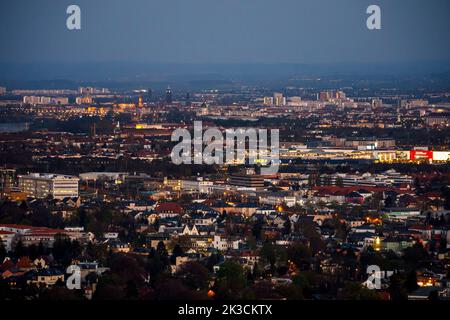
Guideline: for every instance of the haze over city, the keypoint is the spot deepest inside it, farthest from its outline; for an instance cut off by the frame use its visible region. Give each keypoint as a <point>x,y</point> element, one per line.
<point>146,36</point>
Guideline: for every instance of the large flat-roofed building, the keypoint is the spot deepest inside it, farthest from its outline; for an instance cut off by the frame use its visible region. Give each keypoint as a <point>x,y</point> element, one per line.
<point>7,178</point>
<point>197,186</point>
<point>247,181</point>
<point>278,99</point>
<point>42,185</point>
<point>377,143</point>
<point>438,119</point>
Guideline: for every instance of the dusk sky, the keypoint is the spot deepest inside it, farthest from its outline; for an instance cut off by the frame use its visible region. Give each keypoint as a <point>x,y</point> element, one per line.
<point>225,31</point>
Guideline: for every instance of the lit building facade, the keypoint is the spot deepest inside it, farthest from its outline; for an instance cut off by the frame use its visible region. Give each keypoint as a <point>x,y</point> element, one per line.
<point>38,185</point>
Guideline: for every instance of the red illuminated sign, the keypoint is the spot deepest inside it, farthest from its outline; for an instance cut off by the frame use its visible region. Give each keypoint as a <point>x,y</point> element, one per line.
<point>421,154</point>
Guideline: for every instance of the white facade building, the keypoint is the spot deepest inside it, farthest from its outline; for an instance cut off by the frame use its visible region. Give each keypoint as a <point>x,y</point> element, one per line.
<point>42,185</point>
<point>225,243</point>
<point>197,186</point>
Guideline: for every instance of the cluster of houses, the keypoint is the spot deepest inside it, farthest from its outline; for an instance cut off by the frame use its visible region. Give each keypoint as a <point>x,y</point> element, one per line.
<point>43,272</point>
<point>237,223</point>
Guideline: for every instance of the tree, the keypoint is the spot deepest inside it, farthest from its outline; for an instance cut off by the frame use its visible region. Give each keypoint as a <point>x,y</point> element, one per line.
<point>41,249</point>
<point>20,249</point>
<point>127,268</point>
<point>33,251</point>
<point>96,252</point>
<point>41,217</point>
<point>299,254</point>
<point>355,291</point>
<point>161,251</point>
<point>176,252</point>
<point>411,281</point>
<point>442,244</point>
<point>194,275</point>
<point>290,292</point>
<point>131,290</point>
<point>268,254</point>
<point>213,259</point>
<point>415,255</point>
<point>75,249</point>
<point>397,288</point>
<point>287,226</point>
<point>446,195</point>
<point>173,289</point>
<point>230,280</point>
<point>61,249</point>
<point>257,229</point>
<point>59,293</point>
<point>109,287</point>
<point>3,252</point>
<point>251,242</point>
<point>389,202</point>
<point>256,272</point>
<point>263,290</point>
<point>310,232</point>
<point>5,290</point>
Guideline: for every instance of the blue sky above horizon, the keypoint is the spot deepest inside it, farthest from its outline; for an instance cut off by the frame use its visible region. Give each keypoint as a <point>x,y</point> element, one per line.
<point>225,31</point>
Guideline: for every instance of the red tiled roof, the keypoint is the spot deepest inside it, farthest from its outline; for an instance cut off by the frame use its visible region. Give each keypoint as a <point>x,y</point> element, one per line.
<point>15,226</point>
<point>8,264</point>
<point>33,230</point>
<point>420,227</point>
<point>433,194</point>
<point>23,262</point>
<point>169,207</point>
